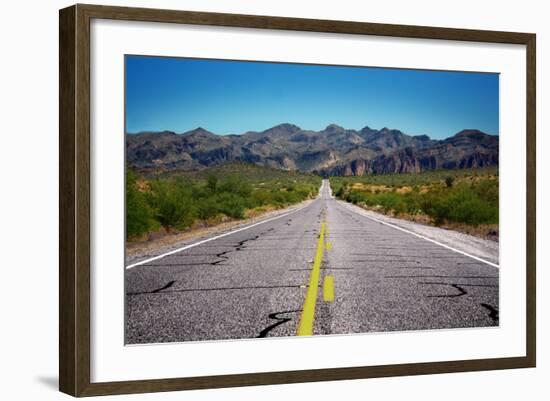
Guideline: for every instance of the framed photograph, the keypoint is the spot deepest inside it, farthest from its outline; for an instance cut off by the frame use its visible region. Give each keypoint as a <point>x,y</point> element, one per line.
<point>250,200</point>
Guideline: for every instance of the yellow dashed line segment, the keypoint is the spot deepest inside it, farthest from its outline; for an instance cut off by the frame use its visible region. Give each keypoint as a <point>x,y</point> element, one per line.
<point>328,289</point>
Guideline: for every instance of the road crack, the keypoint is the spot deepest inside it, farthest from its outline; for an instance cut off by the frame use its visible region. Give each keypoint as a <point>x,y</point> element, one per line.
<point>493,312</point>
<point>461,291</point>
<point>279,321</point>
<point>458,287</point>
<point>166,286</point>
<point>240,245</point>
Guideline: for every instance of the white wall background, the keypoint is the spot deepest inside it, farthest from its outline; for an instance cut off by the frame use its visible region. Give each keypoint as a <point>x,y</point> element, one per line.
<point>29,185</point>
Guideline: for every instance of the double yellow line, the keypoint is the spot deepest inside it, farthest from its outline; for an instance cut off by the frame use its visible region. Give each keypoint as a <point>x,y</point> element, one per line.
<point>305,327</point>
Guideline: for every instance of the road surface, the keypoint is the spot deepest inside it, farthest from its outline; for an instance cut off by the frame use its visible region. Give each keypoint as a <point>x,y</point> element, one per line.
<point>320,269</point>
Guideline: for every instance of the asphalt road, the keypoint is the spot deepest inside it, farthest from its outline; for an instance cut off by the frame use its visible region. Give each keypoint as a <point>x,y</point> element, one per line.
<point>322,269</point>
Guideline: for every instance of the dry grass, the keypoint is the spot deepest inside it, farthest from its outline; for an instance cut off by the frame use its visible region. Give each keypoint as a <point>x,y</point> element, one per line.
<point>374,188</point>
<point>403,190</point>
<point>143,186</point>
<point>485,231</point>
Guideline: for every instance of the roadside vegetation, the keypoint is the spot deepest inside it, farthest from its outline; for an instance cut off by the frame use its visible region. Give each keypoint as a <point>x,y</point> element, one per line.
<point>465,200</point>
<point>180,201</point>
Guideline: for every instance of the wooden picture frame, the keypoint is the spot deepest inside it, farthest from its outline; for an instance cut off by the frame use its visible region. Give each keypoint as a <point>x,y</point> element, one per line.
<point>74,204</point>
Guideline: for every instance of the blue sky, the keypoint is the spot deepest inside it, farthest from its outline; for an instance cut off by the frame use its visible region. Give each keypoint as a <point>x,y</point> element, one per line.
<point>232,97</point>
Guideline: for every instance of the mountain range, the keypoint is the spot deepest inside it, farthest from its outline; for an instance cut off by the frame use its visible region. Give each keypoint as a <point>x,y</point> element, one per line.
<point>331,151</point>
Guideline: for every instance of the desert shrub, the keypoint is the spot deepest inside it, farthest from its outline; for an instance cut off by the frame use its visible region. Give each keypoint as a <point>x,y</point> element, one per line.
<point>207,208</point>
<point>355,197</point>
<point>461,204</point>
<point>235,186</point>
<point>488,191</point>
<point>388,201</point>
<point>413,202</point>
<point>173,203</point>
<point>231,204</point>
<point>261,197</point>
<point>391,201</point>
<point>466,206</point>
<point>466,202</point>
<point>139,216</point>
<point>212,183</point>
<point>278,197</point>
<point>176,202</point>
<point>435,206</point>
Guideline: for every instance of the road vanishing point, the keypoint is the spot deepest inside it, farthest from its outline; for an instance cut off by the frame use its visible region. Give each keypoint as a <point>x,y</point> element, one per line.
<point>320,269</point>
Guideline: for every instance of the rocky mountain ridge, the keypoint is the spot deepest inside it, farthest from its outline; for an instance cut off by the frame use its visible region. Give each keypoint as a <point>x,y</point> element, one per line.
<point>332,151</point>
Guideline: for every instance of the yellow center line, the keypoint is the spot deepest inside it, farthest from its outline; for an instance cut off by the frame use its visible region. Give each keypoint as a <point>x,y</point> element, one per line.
<point>305,327</point>
<point>329,246</point>
<point>328,289</point>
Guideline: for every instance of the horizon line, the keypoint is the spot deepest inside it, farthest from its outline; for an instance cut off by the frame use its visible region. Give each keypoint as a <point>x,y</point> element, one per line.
<point>303,129</point>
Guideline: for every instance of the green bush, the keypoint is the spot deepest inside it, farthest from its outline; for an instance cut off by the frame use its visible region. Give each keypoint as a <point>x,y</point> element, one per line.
<point>235,186</point>
<point>212,183</point>
<point>262,197</point>
<point>487,190</point>
<point>391,201</point>
<point>173,203</point>
<point>207,208</point>
<point>413,202</point>
<point>461,205</point>
<point>231,204</point>
<point>466,206</point>
<point>467,202</point>
<point>139,215</point>
<point>436,206</point>
<point>176,202</point>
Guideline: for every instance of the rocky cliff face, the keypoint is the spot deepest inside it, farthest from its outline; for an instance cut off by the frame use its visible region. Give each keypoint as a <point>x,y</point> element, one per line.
<point>332,151</point>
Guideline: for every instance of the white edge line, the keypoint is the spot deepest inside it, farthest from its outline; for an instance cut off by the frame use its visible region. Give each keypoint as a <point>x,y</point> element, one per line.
<point>213,238</point>
<point>419,235</point>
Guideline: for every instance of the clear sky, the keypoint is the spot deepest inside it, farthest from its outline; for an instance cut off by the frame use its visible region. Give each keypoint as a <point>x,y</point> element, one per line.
<point>232,97</point>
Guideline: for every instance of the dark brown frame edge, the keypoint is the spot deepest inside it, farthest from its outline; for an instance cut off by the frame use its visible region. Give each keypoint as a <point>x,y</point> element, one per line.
<point>74,199</point>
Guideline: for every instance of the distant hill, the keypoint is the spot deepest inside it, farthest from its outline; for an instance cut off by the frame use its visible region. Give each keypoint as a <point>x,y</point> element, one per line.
<point>332,151</point>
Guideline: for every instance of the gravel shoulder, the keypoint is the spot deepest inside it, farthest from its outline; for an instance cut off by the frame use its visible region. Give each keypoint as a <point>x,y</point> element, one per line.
<point>482,248</point>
